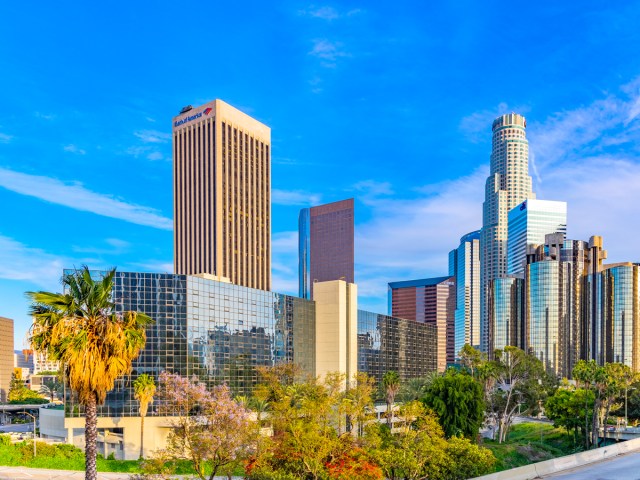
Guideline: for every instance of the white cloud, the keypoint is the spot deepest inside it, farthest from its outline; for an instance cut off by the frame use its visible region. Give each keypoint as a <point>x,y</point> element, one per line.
<point>20,262</point>
<point>74,149</point>
<point>4,138</point>
<point>155,156</point>
<point>79,198</point>
<point>294,197</point>
<point>328,51</point>
<point>328,13</point>
<point>477,126</point>
<point>153,136</point>
<point>45,116</point>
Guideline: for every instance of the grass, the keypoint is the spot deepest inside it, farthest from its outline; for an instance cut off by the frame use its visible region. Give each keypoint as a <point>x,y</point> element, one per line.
<point>529,443</point>
<point>66,457</point>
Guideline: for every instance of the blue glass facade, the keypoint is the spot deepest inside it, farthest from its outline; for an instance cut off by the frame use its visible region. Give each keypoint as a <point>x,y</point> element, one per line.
<point>304,247</point>
<point>506,300</point>
<point>464,265</point>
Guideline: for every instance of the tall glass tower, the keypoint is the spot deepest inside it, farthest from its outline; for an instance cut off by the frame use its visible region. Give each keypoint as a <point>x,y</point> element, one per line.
<point>508,185</point>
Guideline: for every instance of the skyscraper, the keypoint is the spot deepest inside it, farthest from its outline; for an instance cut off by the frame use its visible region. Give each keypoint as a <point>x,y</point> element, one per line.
<point>528,223</point>
<point>325,245</point>
<point>464,265</point>
<point>431,301</point>
<point>508,185</point>
<point>6,357</point>
<point>222,195</point>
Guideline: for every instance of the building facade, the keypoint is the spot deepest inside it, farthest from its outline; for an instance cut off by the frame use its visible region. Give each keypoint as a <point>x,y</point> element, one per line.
<point>508,185</point>
<point>220,333</point>
<point>528,223</point>
<point>431,301</point>
<point>222,195</point>
<point>464,265</point>
<point>6,356</point>
<point>326,245</point>
<point>506,304</point>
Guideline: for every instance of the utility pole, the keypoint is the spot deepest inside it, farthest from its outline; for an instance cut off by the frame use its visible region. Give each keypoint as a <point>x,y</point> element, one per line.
<point>34,432</point>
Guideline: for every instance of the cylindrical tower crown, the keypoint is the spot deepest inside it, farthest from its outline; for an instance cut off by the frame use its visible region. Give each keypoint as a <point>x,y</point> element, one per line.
<point>509,119</point>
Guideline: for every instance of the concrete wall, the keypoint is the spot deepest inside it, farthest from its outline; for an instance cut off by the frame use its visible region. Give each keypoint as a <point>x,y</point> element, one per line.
<point>52,423</point>
<point>336,327</point>
<point>156,431</point>
<point>548,467</point>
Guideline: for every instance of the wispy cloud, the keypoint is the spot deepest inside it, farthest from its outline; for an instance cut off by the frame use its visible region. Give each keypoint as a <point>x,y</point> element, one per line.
<point>74,149</point>
<point>76,196</point>
<point>4,138</point>
<point>327,13</point>
<point>44,116</point>
<point>21,262</point>
<point>114,246</point>
<point>477,125</point>
<point>153,136</point>
<point>294,197</point>
<point>155,156</point>
<point>328,51</point>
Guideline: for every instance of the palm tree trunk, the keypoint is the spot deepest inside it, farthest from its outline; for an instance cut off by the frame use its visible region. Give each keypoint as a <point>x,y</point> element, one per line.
<point>141,436</point>
<point>91,437</point>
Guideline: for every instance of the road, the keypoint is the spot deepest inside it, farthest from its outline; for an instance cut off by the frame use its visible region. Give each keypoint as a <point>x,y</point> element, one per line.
<point>626,467</point>
<point>17,427</point>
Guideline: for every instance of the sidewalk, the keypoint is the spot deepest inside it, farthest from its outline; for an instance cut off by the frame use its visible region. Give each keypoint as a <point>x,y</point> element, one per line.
<point>20,473</point>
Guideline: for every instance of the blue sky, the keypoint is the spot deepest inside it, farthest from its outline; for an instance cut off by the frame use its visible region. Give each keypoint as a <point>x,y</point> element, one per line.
<point>388,102</point>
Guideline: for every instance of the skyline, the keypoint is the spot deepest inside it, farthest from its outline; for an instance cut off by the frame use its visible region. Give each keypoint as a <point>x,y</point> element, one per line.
<point>85,131</point>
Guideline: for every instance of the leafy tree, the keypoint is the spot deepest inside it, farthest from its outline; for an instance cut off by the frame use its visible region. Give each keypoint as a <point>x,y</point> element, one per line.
<point>357,401</point>
<point>518,380</point>
<point>595,378</point>
<point>466,460</point>
<point>458,401</point>
<point>415,388</point>
<point>210,429</point>
<point>17,389</point>
<point>51,388</point>
<point>471,358</point>
<point>568,407</point>
<point>144,388</point>
<point>94,344</point>
<point>391,386</point>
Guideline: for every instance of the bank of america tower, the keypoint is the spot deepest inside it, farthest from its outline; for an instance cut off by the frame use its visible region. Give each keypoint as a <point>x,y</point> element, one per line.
<point>508,185</point>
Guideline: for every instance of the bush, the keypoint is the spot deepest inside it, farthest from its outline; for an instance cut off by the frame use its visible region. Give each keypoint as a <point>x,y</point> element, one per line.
<point>5,440</point>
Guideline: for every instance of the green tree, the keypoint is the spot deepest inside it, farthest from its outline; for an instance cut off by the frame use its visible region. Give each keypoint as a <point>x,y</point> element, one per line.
<point>568,407</point>
<point>471,358</point>
<point>391,386</point>
<point>144,388</point>
<point>518,379</point>
<point>458,401</point>
<point>17,389</point>
<point>593,377</point>
<point>94,344</point>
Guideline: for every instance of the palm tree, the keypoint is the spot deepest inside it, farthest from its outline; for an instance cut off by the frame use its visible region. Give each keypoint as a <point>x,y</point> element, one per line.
<point>50,388</point>
<point>144,388</point>
<point>94,344</point>
<point>391,385</point>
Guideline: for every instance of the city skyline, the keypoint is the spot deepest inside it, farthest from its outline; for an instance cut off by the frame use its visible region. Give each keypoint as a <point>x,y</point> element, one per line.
<point>80,149</point>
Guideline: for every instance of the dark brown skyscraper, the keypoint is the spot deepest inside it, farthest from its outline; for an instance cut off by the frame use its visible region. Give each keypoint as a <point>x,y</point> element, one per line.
<point>326,245</point>
<point>222,195</point>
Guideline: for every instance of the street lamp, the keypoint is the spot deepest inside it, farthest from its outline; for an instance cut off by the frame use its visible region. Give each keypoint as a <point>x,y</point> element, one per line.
<point>34,432</point>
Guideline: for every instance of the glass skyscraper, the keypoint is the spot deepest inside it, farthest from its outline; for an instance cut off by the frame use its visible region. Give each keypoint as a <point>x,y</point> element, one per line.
<point>528,223</point>
<point>464,265</point>
<point>506,303</point>
<point>508,185</point>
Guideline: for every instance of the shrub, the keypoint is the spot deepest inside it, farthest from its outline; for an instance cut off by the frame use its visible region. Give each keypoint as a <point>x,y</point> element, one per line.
<point>5,440</point>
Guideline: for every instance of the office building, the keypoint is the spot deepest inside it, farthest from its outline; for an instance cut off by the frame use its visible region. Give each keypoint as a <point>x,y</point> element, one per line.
<point>528,223</point>
<point>220,333</point>
<point>6,356</point>
<point>431,301</point>
<point>505,322</point>
<point>222,195</point>
<point>326,245</point>
<point>508,185</point>
<point>464,265</point>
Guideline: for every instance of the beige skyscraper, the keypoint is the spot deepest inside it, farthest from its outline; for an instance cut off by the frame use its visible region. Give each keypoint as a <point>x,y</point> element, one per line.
<point>6,356</point>
<point>508,185</point>
<point>222,195</point>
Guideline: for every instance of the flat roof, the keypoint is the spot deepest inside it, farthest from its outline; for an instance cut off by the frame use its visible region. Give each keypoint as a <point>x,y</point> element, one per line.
<point>423,282</point>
